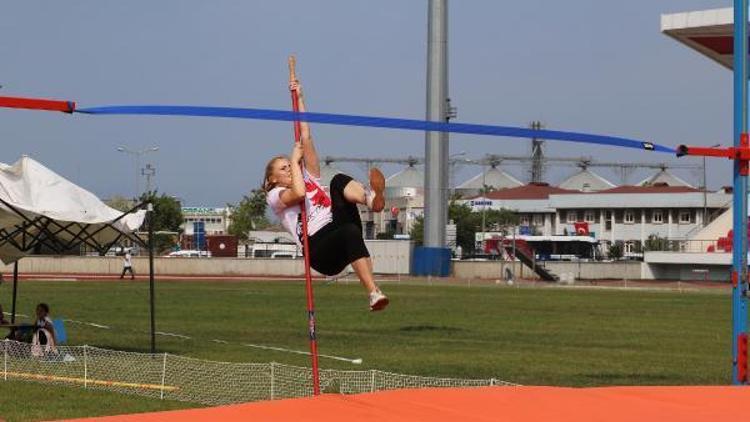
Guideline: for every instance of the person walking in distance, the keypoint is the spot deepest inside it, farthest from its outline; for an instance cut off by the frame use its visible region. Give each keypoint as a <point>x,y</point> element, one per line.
<point>127,266</point>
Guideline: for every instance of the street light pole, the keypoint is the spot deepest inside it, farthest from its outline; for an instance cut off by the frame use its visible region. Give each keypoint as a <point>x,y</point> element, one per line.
<point>137,155</point>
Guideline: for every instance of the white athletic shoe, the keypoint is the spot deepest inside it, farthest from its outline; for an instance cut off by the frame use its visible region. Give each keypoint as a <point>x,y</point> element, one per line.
<point>378,301</point>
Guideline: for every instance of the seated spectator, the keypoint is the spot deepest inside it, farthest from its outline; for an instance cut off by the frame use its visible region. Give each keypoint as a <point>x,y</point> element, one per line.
<point>44,330</point>
<point>43,340</point>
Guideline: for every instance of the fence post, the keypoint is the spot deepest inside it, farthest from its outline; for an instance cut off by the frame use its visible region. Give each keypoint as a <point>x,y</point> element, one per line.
<point>85,367</point>
<point>5,359</point>
<point>163,375</point>
<point>273,393</point>
<point>372,380</point>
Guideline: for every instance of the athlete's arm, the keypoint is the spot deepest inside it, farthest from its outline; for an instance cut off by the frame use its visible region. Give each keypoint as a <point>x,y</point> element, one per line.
<point>312,163</point>
<point>296,192</point>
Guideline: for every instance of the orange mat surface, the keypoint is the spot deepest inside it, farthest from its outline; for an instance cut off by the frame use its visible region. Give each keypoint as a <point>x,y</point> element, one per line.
<point>512,404</point>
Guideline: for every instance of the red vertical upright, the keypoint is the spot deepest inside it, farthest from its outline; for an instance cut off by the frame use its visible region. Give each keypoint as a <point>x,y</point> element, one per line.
<point>306,250</point>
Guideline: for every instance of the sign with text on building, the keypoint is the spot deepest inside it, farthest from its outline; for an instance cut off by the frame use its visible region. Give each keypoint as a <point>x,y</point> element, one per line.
<point>481,203</point>
<point>202,210</point>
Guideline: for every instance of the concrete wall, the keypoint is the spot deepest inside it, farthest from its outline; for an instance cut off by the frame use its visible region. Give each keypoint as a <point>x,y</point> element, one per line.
<point>171,266</point>
<point>581,271</point>
<point>490,270</point>
<point>389,257</point>
<point>686,271</point>
<point>630,270</point>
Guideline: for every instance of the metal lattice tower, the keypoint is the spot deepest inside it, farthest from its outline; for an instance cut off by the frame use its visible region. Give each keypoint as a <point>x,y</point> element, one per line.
<point>537,155</point>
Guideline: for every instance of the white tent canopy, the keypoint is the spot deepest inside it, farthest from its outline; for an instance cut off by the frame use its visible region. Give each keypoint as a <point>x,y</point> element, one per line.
<point>38,206</point>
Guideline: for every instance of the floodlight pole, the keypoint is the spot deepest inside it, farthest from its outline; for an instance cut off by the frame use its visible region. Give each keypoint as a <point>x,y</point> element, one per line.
<point>434,253</point>
<point>150,216</point>
<point>137,154</point>
<point>739,209</point>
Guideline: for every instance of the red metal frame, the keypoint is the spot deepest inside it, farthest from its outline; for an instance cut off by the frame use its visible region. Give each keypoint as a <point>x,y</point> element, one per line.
<point>742,357</point>
<point>741,153</point>
<point>306,252</point>
<point>38,104</point>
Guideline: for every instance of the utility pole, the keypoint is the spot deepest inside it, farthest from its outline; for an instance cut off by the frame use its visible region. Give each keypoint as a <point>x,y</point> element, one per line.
<point>537,155</point>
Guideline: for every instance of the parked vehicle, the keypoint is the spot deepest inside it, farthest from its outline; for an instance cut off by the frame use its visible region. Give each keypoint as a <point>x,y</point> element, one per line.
<point>189,254</point>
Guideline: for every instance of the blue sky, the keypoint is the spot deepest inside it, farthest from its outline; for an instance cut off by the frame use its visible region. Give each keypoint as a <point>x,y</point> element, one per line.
<point>581,65</point>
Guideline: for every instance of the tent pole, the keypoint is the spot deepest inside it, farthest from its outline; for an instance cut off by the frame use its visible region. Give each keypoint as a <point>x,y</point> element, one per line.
<point>151,273</point>
<point>15,293</point>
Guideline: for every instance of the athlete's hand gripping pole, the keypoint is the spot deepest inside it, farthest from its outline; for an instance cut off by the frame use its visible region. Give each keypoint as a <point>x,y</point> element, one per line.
<point>306,246</point>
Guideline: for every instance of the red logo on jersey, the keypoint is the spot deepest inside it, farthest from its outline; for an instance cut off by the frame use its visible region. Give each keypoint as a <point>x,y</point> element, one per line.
<point>319,197</point>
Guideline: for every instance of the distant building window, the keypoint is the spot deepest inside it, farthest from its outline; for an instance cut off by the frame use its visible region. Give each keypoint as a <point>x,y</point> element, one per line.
<point>629,217</point>
<point>524,220</point>
<point>657,217</point>
<point>685,217</point>
<point>589,217</point>
<point>538,220</point>
<point>572,216</point>
<point>629,247</point>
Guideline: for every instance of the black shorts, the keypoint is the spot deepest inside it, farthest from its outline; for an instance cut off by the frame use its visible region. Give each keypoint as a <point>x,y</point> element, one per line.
<point>340,242</point>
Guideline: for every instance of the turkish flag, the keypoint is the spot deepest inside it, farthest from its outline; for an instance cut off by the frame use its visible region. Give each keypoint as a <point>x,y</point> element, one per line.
<point>582,228</point>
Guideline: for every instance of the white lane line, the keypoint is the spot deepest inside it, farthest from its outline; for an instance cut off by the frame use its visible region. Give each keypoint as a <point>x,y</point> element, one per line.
<point>356,361</point>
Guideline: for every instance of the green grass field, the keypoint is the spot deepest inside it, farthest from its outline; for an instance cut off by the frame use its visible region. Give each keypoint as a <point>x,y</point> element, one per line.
<point>569,337</point>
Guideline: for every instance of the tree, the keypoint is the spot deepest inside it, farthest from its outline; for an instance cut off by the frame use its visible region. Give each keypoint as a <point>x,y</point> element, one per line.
<point>167,216</point>
<point>417,231</point>
<point>249,214</point>
<point>120,203</point>
<point>467,223</point>
<point>657,243</point>
<point>615,251</point>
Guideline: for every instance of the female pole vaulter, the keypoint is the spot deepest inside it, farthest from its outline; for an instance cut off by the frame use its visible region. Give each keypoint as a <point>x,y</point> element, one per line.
<point>334,227</point>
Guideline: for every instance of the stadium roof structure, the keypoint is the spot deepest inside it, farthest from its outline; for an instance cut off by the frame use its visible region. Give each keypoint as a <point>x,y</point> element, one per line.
<point>710,32</point>
<point>586,181</point>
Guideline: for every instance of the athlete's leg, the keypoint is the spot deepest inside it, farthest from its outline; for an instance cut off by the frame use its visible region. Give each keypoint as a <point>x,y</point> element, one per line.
<point>373,198</point>
<point>363,269</point>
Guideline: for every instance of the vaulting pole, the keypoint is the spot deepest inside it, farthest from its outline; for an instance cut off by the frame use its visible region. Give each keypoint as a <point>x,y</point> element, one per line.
<point>739,247</point>
<point>306,248</point>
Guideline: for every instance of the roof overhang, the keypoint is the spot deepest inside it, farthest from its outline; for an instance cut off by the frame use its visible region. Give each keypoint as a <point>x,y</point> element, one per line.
<point>710,32</point>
